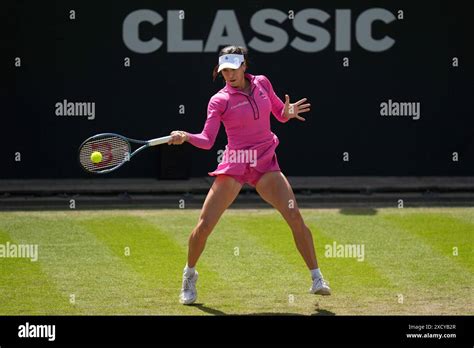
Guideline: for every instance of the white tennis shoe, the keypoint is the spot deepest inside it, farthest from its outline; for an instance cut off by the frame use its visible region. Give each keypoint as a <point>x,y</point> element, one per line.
<point>188,291</point>
<point>320,287</point>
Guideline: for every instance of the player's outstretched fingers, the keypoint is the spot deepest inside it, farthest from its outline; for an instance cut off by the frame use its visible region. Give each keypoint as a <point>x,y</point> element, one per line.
<point>301,101</point>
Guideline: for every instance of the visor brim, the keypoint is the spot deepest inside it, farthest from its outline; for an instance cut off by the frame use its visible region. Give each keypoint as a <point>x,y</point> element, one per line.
<point>227,65</point>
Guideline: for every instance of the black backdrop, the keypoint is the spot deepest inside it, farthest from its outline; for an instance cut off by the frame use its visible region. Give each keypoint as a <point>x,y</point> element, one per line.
<point>83,60</point>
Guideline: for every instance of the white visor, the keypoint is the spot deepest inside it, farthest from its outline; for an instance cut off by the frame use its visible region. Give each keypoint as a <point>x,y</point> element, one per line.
<point>233,61</point>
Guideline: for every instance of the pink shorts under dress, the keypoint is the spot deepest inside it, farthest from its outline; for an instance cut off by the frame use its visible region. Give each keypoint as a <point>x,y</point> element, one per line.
<point>251,176</point>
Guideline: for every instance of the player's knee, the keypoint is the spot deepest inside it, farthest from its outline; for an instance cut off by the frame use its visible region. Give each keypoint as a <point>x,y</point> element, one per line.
<point>294,217</point>
<point>204,227</point>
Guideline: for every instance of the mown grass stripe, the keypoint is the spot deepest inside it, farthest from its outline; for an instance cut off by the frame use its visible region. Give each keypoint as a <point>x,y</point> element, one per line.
<point>442,232</point>
<point>153,255</point>
<point>24,288</point>
<point>80,265</point>
<point>410,264</point>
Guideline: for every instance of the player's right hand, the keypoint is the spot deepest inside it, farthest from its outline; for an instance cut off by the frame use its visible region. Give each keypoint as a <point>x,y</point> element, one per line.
<point>177,138</point>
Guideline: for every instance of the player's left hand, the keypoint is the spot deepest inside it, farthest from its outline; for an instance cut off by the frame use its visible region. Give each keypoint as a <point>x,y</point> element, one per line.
<point>293,110</point>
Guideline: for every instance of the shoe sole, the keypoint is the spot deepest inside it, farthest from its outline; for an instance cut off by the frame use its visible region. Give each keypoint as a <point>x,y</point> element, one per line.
<point>322,292</point>
<point>188,302</point>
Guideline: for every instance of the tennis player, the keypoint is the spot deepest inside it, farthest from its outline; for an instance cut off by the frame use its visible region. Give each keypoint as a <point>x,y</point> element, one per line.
<point>244,107</point>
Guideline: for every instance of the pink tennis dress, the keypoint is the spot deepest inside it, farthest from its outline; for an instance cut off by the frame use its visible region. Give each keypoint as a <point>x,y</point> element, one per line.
<point>250,149</point>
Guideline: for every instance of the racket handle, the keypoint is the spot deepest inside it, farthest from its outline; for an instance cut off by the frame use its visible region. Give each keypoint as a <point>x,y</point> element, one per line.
<point>159,141</point>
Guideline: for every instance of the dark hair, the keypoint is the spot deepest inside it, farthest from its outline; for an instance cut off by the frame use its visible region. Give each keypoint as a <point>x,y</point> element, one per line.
<point>231,50</point>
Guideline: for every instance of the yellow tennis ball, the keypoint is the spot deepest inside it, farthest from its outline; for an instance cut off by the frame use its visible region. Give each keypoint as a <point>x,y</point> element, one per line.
<point>96,157</point>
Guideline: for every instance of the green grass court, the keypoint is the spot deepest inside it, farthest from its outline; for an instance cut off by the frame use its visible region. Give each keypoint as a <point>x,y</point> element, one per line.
<point>83,266</point>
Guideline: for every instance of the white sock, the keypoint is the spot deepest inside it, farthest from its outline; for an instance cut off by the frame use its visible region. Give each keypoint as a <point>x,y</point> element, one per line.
<point>189,271</point>
<point>316,273</point>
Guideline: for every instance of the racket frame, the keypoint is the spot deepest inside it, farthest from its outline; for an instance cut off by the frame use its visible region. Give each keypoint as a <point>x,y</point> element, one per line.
<point>145,144</point>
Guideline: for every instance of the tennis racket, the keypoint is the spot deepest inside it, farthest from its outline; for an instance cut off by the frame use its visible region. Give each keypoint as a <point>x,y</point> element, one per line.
<point>114,151</point>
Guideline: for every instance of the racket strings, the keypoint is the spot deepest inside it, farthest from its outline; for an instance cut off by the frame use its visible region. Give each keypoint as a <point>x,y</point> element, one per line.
<point>114,150</point>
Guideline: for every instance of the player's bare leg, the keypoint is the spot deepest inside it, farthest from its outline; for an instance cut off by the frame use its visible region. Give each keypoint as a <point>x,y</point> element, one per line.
<point>275,189</point>
<point>221,195</point>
